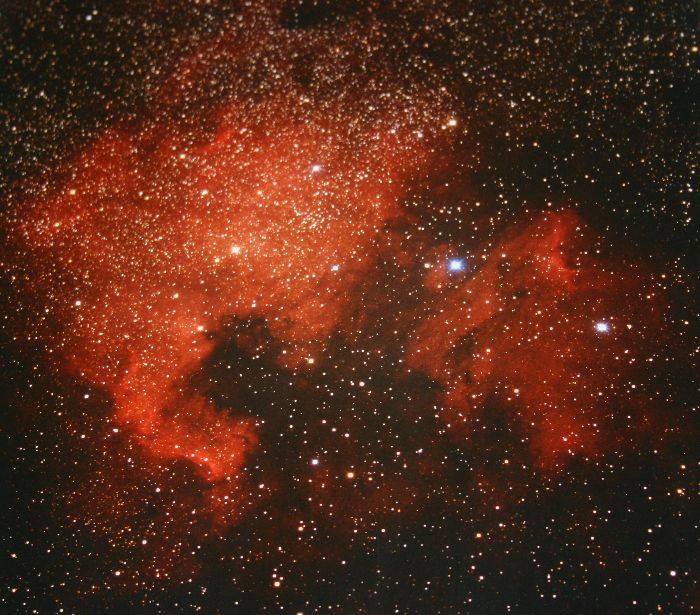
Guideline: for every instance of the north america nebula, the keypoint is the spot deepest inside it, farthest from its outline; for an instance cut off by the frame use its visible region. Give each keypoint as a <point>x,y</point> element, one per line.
<point>319,307</point>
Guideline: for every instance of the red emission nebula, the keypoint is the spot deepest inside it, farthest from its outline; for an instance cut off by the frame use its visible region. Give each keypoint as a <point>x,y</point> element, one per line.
<point>160,241</point>
<point>517,330</point>
<point>279,211</point>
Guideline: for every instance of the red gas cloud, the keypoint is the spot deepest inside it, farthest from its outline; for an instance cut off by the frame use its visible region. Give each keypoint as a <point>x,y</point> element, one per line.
<point>275,204</point>
<point>545,330</point>
<point>153,240</point>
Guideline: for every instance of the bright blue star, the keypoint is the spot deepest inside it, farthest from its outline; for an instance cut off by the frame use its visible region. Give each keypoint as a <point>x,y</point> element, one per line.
<point>455,264</point>
<point>602,327</point>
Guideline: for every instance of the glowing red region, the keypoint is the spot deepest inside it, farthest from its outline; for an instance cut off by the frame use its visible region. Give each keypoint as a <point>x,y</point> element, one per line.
<point>153,240</point>
<point>521,330</point>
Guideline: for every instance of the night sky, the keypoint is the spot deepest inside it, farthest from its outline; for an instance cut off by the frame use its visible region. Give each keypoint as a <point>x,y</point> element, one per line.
<point>349,307</point>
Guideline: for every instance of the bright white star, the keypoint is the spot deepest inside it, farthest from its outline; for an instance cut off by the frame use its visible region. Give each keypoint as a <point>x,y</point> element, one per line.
<point>455,264</point>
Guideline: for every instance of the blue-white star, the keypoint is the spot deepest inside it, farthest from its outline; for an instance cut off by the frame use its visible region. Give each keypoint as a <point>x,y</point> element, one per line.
<point>455,264</point>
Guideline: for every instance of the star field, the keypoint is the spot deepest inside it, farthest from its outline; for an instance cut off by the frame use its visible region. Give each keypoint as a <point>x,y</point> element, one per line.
<point>316,307</point>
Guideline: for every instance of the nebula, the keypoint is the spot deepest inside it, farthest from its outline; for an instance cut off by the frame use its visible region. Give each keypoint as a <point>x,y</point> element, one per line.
<point>153,242</point>
<point>293,317</point>
<point>161,242</point>
<point>549,331</point>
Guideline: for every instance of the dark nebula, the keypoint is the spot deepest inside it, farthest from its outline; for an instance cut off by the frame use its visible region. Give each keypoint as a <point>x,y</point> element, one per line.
<point>342,307</point>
